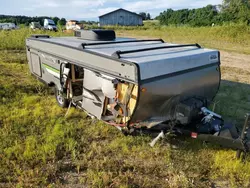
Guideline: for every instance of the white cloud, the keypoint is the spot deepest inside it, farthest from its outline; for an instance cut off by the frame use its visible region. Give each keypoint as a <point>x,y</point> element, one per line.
<point>87,3</point>
<point>156,5</point>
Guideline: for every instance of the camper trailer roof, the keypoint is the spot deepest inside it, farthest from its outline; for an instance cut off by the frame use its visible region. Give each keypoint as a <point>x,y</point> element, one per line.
<point>153,62</point>
<point>109,49</point>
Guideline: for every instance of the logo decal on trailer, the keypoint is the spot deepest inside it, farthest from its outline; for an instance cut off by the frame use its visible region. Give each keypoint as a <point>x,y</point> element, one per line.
<point>213,58</point>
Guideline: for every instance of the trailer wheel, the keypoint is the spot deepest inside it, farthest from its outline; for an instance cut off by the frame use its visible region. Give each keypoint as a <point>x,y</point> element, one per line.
<point>61,100</point>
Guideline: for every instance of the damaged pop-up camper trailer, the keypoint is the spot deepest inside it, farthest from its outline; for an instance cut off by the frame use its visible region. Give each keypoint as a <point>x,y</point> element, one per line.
<point>134,84</point>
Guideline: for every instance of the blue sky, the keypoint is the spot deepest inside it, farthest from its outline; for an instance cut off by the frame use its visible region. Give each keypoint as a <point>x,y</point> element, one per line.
<point>91,9</point>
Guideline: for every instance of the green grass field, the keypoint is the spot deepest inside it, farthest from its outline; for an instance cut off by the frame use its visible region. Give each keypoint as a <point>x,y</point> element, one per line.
<point>40,147</point>
<point>235,38</point>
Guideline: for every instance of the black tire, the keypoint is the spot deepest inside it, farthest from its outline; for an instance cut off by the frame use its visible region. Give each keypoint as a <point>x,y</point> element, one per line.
<point>61,100</point>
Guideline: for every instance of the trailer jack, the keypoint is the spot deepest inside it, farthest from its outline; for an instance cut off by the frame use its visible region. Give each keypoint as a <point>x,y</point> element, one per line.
<point>243,138</point>
<point>228,137</point>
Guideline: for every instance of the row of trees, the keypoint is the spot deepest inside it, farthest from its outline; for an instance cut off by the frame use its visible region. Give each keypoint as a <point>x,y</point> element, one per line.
<point>27,20</point>
<point>145,16</point>
<point>230,11</point>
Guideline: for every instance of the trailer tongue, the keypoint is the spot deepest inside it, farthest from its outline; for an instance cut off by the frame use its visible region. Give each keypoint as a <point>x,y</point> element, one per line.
<point>135,84</point>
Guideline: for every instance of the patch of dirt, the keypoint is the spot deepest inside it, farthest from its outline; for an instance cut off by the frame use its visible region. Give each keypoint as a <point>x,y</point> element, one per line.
<point>231,59</point>
<point>235,67</point>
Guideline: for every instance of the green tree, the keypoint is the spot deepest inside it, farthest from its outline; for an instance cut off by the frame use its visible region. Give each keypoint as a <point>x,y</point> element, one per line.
<point>236,10</point>
<point>56,19</point>
<point>27,20</point>
<point>143,15</point>
<point>148,17</point>
<point>231,11</point>
<point>62,21</point>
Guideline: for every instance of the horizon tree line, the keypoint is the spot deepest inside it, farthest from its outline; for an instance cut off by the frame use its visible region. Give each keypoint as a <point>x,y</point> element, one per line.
<point>235,11</point>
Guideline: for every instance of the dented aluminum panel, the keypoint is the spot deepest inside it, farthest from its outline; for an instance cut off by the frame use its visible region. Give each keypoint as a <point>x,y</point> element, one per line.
<point>78,56</point>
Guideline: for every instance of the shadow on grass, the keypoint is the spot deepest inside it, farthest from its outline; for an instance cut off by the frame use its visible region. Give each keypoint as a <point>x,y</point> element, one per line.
<point>233,101</point>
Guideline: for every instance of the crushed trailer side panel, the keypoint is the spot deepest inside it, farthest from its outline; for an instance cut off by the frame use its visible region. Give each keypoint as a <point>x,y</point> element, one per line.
<point>159,97</point>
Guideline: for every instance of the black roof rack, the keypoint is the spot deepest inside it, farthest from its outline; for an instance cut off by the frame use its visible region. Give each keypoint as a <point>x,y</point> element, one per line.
<point>117,54</point>
<point>118,42</point>
<point>40,36</point>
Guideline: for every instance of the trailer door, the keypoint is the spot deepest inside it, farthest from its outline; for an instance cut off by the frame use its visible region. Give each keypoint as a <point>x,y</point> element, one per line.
<point>35,64</point>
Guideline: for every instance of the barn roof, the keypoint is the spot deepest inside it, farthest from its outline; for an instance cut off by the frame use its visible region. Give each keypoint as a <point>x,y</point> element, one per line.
<point>119,10</point>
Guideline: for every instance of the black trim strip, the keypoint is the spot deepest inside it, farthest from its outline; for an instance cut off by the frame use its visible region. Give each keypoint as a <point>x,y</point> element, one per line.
<point>40,36</point>
<point>219,69</point>
<point>177,73</point>
<point>121,42</point>
<point>117,54</point>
